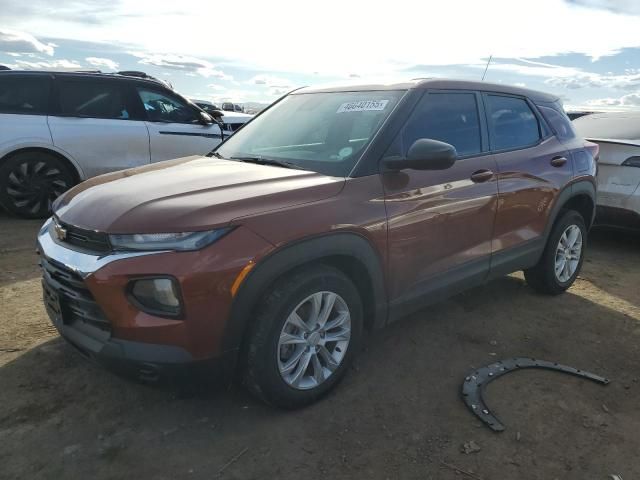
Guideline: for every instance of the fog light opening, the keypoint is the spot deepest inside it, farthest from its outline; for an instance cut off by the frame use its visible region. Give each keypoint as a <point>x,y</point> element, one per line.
<point>156,296</point>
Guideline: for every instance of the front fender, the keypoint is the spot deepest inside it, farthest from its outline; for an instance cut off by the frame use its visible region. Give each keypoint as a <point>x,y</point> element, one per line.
<point>294,255</point>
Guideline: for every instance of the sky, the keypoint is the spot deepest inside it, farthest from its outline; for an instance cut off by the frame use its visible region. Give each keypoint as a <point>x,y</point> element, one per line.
<point>585,51</point>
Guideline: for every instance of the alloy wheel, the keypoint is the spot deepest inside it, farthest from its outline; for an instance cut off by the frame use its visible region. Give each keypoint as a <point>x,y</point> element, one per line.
<point>314,340</point>
<point>568,253</point>
<point>33,185</point>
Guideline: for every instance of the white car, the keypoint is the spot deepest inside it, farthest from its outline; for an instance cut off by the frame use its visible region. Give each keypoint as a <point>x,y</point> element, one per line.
<point>232,121</point>
<point>57,129</point>
<point>618,135</point>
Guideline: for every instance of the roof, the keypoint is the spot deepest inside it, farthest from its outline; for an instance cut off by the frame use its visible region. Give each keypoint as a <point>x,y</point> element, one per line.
<point>437,83</point>
<point>88,73</point>
<point>610,126</point>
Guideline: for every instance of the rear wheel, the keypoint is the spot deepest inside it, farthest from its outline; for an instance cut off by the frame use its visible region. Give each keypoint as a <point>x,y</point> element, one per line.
<point>306,332</point>
<point>31,181</point>
<point>562,258</point>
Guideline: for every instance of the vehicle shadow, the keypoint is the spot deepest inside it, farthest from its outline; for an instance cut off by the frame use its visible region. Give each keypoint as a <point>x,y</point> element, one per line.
<point>612,263</point>
<point>397,414</point>
<point>18,261</point>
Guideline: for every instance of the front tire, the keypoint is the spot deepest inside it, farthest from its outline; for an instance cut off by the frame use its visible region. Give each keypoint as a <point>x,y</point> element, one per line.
<point>307,329</point>
<point>563,256</point>
<point>30,181</point>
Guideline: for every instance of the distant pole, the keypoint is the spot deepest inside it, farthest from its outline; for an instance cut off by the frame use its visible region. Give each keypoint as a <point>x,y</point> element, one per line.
<point>487,67</point>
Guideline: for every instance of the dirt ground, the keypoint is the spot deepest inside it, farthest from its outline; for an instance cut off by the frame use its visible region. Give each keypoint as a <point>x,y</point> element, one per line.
<point>398,414</point>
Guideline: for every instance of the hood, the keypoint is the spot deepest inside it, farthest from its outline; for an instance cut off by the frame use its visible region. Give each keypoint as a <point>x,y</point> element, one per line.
<point>236,117</point>
<point>188,194</point>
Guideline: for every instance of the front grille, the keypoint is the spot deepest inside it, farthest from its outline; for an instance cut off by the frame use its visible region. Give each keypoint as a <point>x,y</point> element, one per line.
<point>67,297</point>
<point>86,239</point>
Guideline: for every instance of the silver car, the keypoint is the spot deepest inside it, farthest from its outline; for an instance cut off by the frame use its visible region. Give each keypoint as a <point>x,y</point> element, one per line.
<point>57,129</point>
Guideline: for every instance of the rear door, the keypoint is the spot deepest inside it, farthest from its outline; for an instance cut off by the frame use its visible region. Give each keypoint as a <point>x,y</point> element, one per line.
<point>440,222</point>
<point>95,123</point>
<point>533,166</point>
<point>175,127</point>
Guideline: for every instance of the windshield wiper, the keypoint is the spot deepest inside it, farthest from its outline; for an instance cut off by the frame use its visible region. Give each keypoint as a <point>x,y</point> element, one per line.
<point>267,161</point>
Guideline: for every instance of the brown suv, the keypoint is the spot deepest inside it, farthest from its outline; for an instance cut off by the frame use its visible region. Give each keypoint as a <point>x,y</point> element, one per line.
<point>333,211</point>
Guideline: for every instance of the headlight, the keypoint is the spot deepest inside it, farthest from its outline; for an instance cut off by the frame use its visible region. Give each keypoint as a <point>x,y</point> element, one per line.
<point>167,241</point>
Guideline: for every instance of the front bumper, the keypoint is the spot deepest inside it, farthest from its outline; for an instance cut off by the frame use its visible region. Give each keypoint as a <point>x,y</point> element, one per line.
<point>85,297</point>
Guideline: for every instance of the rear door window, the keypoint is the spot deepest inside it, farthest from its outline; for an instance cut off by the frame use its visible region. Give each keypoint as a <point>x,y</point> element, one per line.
<point>512,123</point>
<point>24,94</point>
<point>94,99</point>
<point>449,117</point>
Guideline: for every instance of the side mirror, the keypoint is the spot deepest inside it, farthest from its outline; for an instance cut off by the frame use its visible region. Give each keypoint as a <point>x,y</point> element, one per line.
<point>206,119</point>
<point>216,114</point>
<point>425,154</point>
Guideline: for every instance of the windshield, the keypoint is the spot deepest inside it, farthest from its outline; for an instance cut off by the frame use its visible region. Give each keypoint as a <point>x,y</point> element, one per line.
<point>322,132</point>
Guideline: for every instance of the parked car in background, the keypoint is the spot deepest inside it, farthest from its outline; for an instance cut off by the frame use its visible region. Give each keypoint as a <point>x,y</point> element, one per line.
<point>232,107</point>
<point>59,128</point>
<point>207,106</point>
<point>231,121</point>
<point>334,211</point>
<point>618,135</point>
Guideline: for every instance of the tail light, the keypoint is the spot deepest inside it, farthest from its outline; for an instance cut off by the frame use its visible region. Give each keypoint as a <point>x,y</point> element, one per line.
<point>594,150</point>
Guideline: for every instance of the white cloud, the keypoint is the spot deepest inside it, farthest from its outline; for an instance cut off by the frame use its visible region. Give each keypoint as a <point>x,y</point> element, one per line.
<point>216,87</point>
<point>189,65</point>
<point>621,6</point>
<point>102,62</point>
<point>567,77</point>
<point>529,68</point>
<point>629,100</point>
<point>14,41</point>
<point>504,28</point>
<point>46,65</point>
<point>594,80</point>
<point>270,81</point>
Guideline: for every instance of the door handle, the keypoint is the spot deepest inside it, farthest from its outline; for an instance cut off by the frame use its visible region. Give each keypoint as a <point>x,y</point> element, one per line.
<point>558,161</point>
<point>481,176</point>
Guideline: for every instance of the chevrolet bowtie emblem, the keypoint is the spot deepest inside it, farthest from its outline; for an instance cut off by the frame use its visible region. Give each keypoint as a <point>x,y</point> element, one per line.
<point>60,231</point>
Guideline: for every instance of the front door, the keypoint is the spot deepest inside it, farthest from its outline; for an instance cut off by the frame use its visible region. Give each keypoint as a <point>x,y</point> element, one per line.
<point>175,127</point>
<point>440,222</point>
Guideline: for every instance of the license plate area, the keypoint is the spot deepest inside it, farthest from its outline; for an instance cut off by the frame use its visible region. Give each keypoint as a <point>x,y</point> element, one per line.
<point>53,303</point>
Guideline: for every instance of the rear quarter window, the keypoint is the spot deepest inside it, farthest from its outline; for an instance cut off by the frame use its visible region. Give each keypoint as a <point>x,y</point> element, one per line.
<point>27,95</point>
<point>559,121</point>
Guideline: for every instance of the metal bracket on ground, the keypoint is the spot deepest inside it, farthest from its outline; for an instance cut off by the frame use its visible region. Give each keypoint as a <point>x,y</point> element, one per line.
<point>475,383</point>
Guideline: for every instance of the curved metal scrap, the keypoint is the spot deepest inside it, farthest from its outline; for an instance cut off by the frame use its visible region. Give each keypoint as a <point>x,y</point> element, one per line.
<point>474,384</point>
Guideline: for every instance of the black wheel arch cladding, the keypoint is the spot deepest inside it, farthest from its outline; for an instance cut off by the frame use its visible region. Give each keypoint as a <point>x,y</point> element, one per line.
<point>322,249</point>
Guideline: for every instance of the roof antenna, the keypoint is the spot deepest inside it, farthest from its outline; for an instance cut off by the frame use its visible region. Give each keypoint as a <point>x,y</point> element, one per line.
<point>487,67</point>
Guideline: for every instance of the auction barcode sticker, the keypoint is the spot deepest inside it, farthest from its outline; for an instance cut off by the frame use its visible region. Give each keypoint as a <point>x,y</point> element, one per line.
<point>363,106</point>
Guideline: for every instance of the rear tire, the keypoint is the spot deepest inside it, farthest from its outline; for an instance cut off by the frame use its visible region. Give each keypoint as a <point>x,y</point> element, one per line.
<point>289,364</point>
<point>30,181</point>
<point>563,256</point>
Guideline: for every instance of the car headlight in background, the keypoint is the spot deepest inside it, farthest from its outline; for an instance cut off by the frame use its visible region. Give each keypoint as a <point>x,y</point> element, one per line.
<point>182,241</point>
<point>156,296</point>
